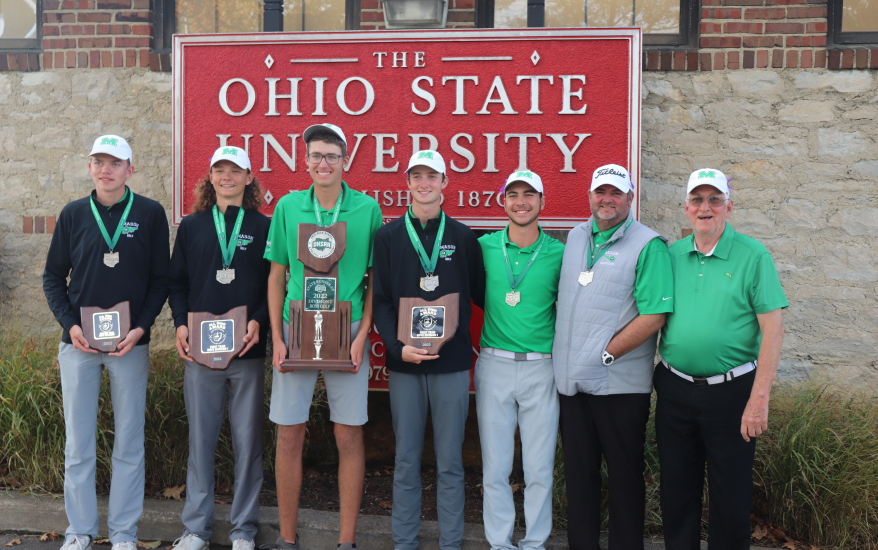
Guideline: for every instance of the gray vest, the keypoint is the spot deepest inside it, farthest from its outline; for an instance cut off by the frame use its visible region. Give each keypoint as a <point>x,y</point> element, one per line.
<point>589,316</point>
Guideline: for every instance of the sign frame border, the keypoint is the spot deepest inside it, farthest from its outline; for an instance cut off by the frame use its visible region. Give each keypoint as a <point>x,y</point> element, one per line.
<point>635,76</point>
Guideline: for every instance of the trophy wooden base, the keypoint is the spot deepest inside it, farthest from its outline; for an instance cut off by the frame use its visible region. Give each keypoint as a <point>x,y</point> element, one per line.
<point>214,340</point>
<point>103,329</point>
<point>333,332</point>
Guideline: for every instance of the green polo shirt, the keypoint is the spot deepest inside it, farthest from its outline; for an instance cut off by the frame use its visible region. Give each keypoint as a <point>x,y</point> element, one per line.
<point>654,277</point>
<point>363,217</point>
<point>529,326</point>
<point>714,327</point>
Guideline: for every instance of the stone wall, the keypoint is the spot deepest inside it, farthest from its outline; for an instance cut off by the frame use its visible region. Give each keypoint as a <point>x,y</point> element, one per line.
<point>802,147</point>
<point>801,144</point>
<point>48,122</point>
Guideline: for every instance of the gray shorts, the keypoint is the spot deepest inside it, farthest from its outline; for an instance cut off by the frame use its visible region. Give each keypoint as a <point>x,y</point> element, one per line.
<point>292,392</point>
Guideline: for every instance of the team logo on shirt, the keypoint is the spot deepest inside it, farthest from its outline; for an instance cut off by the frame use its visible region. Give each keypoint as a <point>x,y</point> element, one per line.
<point>321,244</point>
<point>446,250</point>
<point>243,241</point>
<point>129,228</point>
<point>609,258</point>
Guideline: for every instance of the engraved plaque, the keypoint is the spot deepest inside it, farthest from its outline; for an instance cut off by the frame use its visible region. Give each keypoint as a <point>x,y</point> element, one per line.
<point>103,329</point>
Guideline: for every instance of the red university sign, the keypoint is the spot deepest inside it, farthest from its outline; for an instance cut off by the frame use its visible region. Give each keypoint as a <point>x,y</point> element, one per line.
<point>560,102</point>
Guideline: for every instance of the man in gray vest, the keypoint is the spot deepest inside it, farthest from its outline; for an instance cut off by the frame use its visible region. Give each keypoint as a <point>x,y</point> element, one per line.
<point>615,291</point>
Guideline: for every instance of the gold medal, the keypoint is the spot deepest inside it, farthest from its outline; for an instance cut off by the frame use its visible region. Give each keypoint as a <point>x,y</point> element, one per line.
<point>111,259</point>
<point>586,277</point>
<point>430,283</point>
<point>513,298</point>
<point>225,276</point>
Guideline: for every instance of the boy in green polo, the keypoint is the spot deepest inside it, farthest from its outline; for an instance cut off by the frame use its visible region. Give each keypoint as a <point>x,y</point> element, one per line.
<point>515,382</point>
<point>327,201</point>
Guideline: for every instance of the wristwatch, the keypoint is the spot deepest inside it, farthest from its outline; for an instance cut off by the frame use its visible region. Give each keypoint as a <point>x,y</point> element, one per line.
<point>607,359</point>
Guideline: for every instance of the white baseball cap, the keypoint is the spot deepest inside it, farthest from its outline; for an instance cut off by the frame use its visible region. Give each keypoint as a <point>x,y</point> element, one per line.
<point>528,177</point>
<point>309,131</point>
<point>708,176</point>
<point>614,175</point>
<point>112,145</point>
<point>231,154</point>
<point>428,158</point>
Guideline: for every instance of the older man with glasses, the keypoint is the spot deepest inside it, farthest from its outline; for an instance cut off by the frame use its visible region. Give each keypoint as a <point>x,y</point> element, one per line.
<point>712,398</point>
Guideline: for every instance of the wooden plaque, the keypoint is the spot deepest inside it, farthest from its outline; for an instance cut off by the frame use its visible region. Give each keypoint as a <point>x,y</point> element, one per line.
<point>320,248</point>
<point>428,325</point>
<point>214,340</point>
<point>103,329</point>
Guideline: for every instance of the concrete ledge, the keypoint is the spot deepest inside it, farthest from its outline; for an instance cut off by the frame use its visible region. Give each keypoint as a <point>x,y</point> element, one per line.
<point>318,530</point>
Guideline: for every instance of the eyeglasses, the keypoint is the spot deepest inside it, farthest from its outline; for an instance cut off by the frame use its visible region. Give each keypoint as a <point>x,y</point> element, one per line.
<point>315,158</point>
<point>714,202</point>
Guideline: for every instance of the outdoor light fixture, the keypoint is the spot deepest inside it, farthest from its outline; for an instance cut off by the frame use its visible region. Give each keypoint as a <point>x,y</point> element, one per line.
<point>415,14</point>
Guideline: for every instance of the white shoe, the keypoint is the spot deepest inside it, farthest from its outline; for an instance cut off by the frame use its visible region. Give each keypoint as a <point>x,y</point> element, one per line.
<point>189,542</point>
<point>77,543</point>
<point>243,544</point>
<point>127,545</point>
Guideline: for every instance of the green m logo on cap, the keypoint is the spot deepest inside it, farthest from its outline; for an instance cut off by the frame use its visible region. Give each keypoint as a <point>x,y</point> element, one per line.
<point>523,175</point>
<point>710,174</point>
<point>427,155</point>
<point>230,151</point>
<point>110,141</point>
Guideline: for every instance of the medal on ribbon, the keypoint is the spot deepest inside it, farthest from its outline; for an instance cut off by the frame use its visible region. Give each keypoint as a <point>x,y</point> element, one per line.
<point>592,257</point>
<point>226,275</point>
<point>513,298</point>
<point>429,282</point>
<point>586,277</point>
<point>111,259</point>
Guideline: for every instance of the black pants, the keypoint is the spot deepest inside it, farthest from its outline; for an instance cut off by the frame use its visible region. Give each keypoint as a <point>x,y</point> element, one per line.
<point>697,424</point>
<point>612,426</point>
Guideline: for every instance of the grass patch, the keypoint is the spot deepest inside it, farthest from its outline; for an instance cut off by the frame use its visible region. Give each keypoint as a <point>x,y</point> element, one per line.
<point>815,475</point>
<point>816,471</point>
<point>32,431</point>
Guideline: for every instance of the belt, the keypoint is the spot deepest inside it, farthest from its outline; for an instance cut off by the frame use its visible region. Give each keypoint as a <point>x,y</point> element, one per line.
<point>719,378</point>
<point>532,356</point>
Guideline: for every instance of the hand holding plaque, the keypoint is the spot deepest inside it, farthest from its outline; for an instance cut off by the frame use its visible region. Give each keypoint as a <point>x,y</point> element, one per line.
<point>214,340</point>
<point>428,325</point>
<point>103,329</point>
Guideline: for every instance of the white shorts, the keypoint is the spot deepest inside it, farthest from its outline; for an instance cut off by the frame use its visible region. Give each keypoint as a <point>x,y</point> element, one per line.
<point>347,393</point>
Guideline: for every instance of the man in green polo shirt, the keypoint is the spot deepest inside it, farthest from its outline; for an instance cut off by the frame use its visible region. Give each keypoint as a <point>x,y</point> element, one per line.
<point>515,383</point>
<point>615,290</point>
<point>712,400</point>
<point>329,200</point>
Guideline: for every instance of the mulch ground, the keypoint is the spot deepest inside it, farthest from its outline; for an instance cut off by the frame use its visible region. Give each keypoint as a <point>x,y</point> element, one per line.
<point>320,492</point>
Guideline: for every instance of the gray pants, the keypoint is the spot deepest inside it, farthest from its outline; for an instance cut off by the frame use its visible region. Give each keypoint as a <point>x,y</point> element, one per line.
<point>446,397</point>
<point>205,392</point>
<point>80,385</point>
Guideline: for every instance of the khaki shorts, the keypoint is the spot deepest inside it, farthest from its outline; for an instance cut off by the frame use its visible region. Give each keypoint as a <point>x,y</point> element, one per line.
<point>347,393</point>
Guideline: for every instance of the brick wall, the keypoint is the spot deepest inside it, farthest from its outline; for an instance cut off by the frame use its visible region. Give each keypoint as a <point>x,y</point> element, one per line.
<point>732,34</point>
<point>759,34</point>
<point>96,33</point>
<point>461,14</point>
